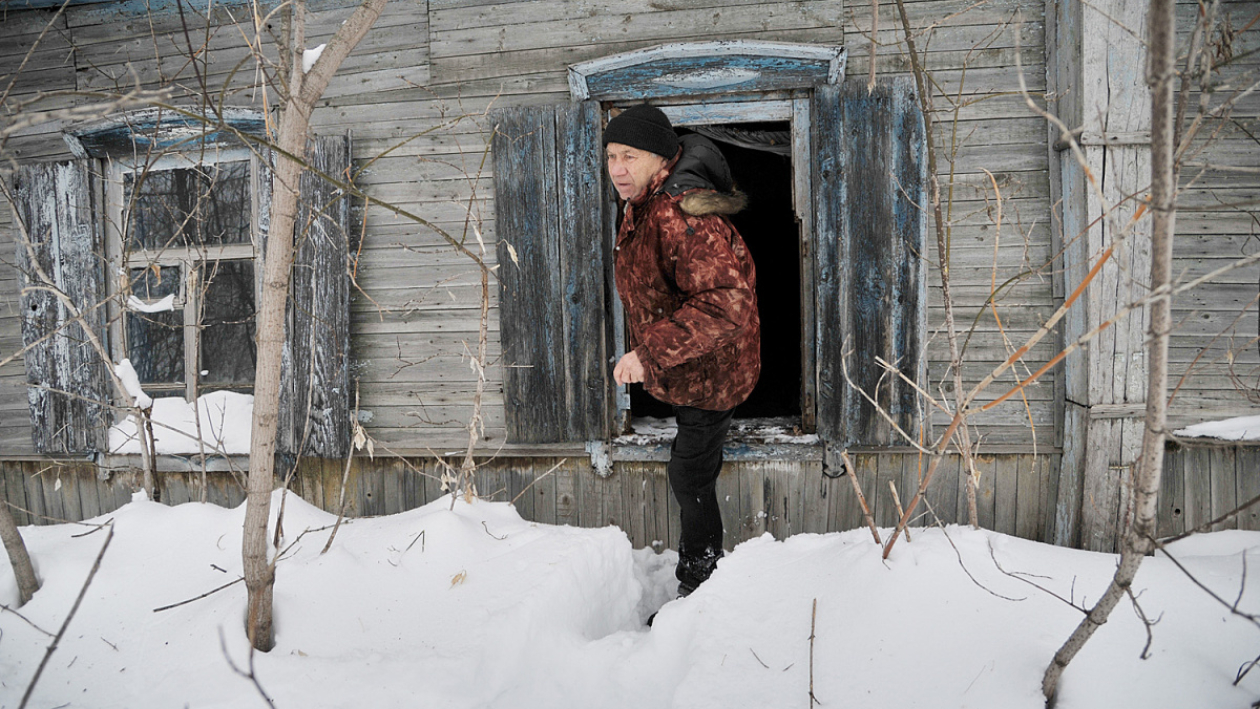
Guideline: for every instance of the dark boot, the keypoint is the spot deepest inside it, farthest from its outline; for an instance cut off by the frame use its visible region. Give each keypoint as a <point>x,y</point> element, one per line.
<point>695,570</point>
<point>691,572</point>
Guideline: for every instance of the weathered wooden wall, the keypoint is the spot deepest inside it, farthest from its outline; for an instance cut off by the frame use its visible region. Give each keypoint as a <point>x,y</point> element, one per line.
<point>484,55</point>
<point>1213,345</point>
<point>415,94</point>
<point>779,497</point>
<point>1017,494</point>
<point>97,47</point>
<point>981,123</point>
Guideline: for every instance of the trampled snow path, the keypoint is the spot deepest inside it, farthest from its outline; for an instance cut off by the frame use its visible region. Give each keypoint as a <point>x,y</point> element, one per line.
<point>487,610</point>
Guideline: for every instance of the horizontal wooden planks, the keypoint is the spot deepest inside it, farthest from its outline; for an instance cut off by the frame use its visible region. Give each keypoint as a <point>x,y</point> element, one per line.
<point>516,28</point>
<point>1017,491</point>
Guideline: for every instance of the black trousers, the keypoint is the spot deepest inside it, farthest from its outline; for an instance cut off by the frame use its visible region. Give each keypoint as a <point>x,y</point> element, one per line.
<point>694,463</point>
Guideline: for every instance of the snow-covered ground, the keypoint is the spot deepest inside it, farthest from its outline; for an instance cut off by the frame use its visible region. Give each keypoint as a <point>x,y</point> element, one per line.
<point>474,607</point>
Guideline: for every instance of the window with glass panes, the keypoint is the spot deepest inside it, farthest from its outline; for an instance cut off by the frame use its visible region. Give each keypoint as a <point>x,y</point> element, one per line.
<point>184,234</point>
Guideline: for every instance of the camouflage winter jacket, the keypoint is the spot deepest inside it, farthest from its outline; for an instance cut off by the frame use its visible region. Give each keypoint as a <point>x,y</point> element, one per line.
<point>688,285</point>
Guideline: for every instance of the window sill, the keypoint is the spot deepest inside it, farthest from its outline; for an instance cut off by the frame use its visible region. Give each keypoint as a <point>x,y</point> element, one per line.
<point>176,463</point>
<point>734,450</point>
<point>749,440</point>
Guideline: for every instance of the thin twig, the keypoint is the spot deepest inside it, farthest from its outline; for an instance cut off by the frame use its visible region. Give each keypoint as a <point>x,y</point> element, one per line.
<point>345,476</point>
<point>540,477</point>
<point>1244,669</point>
<point>857,488</point>
<point>198,598</point>
<point>29,622</point>
<point>1020,576</point>
<point>897,503</point>
<point>492,535</point>
<point>870,77</point>
<point>70,616</point>
<point>1233,607</point>
<point>813,619</point>
<point>420,538</point>
<point>958,555</point>
<point>251,675</point>
<point>1146,623</point>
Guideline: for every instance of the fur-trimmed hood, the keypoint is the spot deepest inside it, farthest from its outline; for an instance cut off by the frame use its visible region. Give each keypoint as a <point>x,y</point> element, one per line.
<point>703,180</point>
<point>703,202</point>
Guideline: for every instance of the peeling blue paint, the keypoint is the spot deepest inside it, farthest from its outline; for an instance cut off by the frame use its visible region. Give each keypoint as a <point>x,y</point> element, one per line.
<point>156,132</point>
<point>684,76</point>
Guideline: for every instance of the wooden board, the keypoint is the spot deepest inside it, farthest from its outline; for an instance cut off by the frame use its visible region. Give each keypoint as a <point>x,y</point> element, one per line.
<point>1006,494</point>
<point>1224,474</point>
<point>14,475</point>
<point>1170,519</point>
<point>943,492</point>
<point>754,496</point>
<point>1198,487</point>
<point>1248,481</point>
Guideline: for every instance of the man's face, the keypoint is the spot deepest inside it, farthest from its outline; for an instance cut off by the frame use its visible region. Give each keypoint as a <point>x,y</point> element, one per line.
<point>632,169</point>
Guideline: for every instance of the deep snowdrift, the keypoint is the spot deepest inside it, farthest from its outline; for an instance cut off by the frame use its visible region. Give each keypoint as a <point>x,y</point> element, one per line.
<point>474,607</point>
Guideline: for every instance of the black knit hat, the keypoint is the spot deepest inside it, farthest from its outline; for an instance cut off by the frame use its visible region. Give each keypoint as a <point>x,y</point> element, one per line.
<point>644,127</point>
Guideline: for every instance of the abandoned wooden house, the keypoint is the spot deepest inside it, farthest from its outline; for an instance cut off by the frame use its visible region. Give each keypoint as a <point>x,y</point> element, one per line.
<point>473,129</point>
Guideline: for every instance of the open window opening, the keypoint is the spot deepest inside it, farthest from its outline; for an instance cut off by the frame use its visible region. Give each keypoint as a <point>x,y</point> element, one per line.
<point>760,158</point>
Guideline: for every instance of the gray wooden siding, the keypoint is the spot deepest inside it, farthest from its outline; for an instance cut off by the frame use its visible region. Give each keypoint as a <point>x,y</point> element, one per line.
<point>419,88</point>
<point>991,129</point>
<point>780,497</point>
<point>15,418</point>
<point>1214,346</point>
<point>415,303</point>
<point>1017,493</point>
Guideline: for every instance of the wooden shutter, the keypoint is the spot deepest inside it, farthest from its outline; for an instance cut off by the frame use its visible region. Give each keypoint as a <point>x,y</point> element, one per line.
<point>314,376</point>
<point>549,213</point>
<point>869,174</point>
<point>67,384</point>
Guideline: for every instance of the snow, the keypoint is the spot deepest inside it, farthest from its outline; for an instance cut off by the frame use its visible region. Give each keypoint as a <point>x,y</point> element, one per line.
<point>131,382</point>
<point>310,56</point>
<point>158,306</point>
<point>1241,428</point>
<point>649,430</point>
<point>475,607</point>
<point>226,423</point>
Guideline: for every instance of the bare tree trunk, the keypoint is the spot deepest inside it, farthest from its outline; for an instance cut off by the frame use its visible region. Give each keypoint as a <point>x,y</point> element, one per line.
<point>304,90</point>
<point>1139,537</point>
<point>27,583</point>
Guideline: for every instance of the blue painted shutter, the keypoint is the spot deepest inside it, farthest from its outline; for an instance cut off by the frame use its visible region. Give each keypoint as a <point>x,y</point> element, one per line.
<point>67,384</point>
<point>549,212</point>
<point>869,174</point>
<point>314,376</point>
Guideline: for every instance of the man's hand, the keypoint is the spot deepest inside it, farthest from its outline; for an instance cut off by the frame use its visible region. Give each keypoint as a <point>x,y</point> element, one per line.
<point>629,369</point>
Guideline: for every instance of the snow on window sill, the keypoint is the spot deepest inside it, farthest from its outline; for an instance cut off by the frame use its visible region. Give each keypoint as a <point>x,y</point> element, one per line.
<point>749,439</point>
<point>1239,428</point>
<point>176,463</point>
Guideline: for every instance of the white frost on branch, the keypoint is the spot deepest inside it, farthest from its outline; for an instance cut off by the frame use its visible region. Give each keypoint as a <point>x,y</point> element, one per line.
<point>164,305</point>
<point>310,56</point>
<point>131,381</point>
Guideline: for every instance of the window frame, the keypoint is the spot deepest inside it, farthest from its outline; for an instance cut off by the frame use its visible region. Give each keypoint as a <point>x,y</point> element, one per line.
<point>187,258</point>
<point>730,109</point>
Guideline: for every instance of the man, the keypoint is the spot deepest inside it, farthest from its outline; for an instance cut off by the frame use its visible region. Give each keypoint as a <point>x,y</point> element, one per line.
<point>688,286</point>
